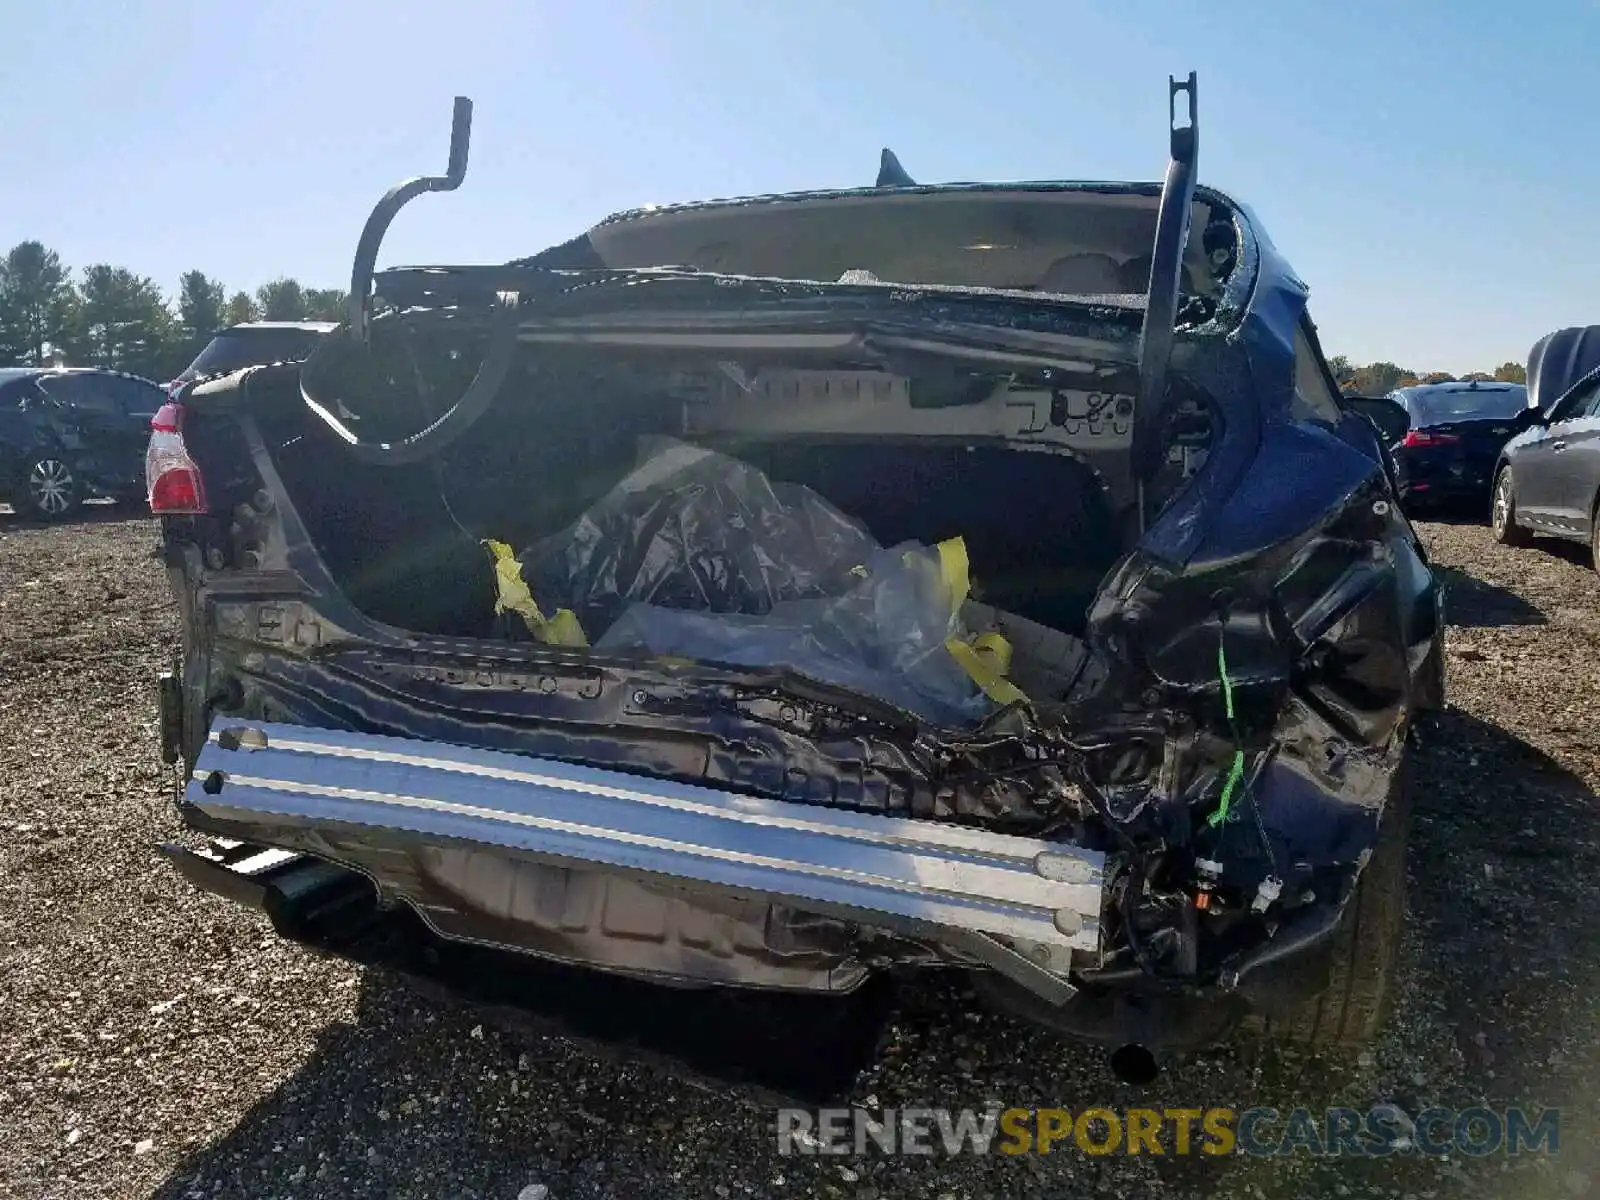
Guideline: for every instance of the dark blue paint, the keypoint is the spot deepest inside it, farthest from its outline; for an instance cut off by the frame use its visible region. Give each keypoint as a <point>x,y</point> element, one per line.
<point>1269,476</point>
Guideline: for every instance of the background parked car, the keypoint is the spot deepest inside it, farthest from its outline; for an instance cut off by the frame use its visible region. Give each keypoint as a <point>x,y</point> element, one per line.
<point>253,344</point>
<point>1548,479</point>
<point>1453,438</point>
<point>68,434</point>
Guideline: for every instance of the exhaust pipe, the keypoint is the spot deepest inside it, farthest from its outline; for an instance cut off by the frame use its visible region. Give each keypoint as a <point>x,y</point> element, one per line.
<point>1135,1064</point>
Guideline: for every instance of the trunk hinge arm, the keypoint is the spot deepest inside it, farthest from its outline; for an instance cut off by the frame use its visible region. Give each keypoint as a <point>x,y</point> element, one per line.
<point>492,372</point>
<point>1166,275</point>
<point>389,207</point>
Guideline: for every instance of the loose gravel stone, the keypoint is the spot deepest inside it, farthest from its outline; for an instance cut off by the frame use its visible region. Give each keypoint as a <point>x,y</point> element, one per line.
<point>159,1042</point>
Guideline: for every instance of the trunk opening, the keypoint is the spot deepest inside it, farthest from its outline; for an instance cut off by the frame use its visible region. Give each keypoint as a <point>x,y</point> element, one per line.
<point>1032,474</point>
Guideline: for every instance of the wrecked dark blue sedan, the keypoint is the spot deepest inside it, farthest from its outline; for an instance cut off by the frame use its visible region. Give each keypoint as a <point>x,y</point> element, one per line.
<point>700,630</point>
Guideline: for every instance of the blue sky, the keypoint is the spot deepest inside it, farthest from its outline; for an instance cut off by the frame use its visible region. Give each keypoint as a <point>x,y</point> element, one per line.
<point>1430,168</point>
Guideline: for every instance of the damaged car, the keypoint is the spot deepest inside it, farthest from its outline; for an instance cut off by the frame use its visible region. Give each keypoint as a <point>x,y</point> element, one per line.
<point>68,434</point>
<point>704,629</point>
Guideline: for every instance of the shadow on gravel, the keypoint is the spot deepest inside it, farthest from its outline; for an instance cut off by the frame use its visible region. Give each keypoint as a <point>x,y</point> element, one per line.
<point>417,1100</point>
<point>1502,964</point>
<point>1501,969</point>
<point>1573,552</point>
<point>1472,603</point>
<point>1502,856</point>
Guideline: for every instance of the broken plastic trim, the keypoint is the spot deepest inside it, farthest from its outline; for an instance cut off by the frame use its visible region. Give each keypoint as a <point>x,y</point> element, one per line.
<point>1166,269</point>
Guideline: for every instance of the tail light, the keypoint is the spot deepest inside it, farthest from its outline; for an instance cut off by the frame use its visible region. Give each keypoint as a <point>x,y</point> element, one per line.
<point>1421,437</point>
<point>172,478</point>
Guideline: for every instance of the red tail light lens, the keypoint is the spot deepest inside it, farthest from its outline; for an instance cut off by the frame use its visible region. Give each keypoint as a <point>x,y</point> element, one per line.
<point>1421,437</point>
<point>172,479</point>
<point>178,490</point>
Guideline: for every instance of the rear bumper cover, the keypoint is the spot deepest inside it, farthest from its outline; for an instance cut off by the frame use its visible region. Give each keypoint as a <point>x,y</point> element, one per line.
<point>372,800</point>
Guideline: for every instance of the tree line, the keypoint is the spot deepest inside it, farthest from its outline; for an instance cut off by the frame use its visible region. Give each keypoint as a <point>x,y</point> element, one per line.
<point>110,316</point>
<point>1381,378</point>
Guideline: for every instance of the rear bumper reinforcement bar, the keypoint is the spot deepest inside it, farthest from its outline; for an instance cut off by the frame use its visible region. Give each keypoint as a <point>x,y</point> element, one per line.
<point>399,793</point>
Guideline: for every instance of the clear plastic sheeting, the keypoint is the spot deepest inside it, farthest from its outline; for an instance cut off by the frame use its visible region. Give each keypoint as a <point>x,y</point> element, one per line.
<point>696,555</point>
<point>886,637</point>
<point>693,529</point>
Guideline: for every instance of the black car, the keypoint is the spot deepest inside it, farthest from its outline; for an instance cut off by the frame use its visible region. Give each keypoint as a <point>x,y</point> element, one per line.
<point>1548,479</point>
<point>627,663</point>
<point>251,344</point>
<point>1454,436</point>
<point>68,434</point>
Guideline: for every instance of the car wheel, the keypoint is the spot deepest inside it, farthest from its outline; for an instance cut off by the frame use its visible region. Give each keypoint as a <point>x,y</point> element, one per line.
<point>50,490</point>
<point>1366,946</point>
<point>1503,513</point>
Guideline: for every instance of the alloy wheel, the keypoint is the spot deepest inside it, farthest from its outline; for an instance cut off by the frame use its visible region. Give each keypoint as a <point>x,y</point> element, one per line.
<point>51,487</point>
<point>1503,513</point>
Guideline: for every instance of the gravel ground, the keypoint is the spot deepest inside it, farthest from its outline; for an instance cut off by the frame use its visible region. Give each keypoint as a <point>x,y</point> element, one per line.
<point>159,1042</point>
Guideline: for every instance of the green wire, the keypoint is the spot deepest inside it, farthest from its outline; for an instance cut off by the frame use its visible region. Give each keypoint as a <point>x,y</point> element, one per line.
<point>1236,771</point>
<point>1235,774</point>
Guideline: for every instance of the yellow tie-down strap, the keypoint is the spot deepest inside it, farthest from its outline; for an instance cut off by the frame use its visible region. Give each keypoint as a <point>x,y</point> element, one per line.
<point>985,658</point>
<point>512,595</point>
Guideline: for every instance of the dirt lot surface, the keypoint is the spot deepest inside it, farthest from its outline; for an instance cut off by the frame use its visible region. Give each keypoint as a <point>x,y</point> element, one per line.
<point>158,1042</point>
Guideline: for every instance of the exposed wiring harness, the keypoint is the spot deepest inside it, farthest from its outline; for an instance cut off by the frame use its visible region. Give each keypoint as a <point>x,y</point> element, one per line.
<point>1235,784</point>
<point>1236,768</point>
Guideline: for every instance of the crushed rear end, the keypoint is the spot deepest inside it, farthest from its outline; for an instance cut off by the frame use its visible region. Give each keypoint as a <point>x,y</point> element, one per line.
<point>1070,641</point>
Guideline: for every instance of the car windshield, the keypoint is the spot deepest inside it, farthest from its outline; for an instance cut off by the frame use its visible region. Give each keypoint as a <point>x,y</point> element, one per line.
<point>235,348</point>
<point>1431,406</point>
